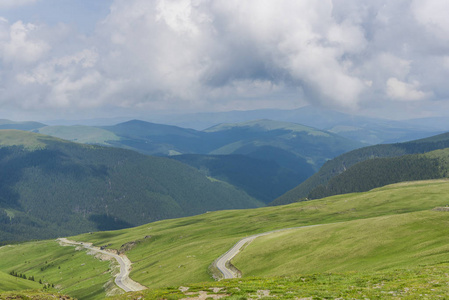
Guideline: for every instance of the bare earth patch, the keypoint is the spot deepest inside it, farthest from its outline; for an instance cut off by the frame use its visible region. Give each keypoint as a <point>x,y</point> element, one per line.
<point>202,295</point>
<point>441,208</point>
<point>261,294</point>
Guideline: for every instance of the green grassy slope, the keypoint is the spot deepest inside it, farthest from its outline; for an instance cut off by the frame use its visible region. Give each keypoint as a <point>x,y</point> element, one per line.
<point>50,187</point>
<point>175,252</point>
<point>72,272</point>
<point>12,283</point>
<point>430,282</point>
<point>34,295</point>
<point>343,162</point>
<point>382,243</point>
<point>391,221</point>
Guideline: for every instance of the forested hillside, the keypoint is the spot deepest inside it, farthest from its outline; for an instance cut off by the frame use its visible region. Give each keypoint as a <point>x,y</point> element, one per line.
<point>378,172</point>
<point>343,162</point>
<point>51,187</point>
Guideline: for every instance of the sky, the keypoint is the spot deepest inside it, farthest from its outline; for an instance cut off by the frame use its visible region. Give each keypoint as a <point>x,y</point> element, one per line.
<point>109,58</point>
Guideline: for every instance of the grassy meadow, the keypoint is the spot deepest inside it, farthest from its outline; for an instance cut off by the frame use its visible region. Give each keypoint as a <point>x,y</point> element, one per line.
<point>12,283</point>
<point>430,282</point>
<point>366,245</point>
<point>70,271</point>
<point>180,251</point>
<point>367,242</point>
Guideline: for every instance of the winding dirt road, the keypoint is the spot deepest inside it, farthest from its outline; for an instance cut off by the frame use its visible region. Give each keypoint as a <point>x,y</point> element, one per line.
<point>223,261</point>
<point>122,280</point>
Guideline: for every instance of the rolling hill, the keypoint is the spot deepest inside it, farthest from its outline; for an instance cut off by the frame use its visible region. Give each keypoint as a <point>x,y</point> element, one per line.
<point>13,283</point>
<point>384,238</point>
<point>375,244</point>
<point>298,151</point>
<point>51,187</point>
<point>344,162</point>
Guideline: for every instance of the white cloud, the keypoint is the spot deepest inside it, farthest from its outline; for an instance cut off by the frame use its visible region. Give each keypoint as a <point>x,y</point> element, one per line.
<point>399,90</point>
<point>19,46</point>
<point>195,49</point>
<point>59,69</point>
<point>179,16</point>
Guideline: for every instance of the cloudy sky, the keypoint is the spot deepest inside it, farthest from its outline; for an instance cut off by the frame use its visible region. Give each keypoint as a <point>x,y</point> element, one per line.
<point>105,58</point>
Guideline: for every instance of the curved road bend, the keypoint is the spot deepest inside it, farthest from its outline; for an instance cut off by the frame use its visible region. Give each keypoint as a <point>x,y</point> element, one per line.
<point>122,280</point>
<point>228,256</point>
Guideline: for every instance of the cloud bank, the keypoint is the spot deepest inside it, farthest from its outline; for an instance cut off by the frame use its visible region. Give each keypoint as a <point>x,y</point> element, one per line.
<point>221,55</point>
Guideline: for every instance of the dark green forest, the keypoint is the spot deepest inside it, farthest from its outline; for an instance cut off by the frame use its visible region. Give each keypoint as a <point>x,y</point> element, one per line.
<point>66,188</point>
<point>343,162</point>
<point>378,172</point>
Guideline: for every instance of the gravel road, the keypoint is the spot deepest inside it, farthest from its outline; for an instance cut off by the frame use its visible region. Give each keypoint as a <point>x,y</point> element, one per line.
<point>226,258</point>
<point>122,280</point>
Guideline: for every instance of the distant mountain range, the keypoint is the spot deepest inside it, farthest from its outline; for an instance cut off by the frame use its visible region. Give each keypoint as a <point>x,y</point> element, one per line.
<point>360,128</point>
<point>281,154</point>
<point>51,187</point>
<point>364,129</point>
